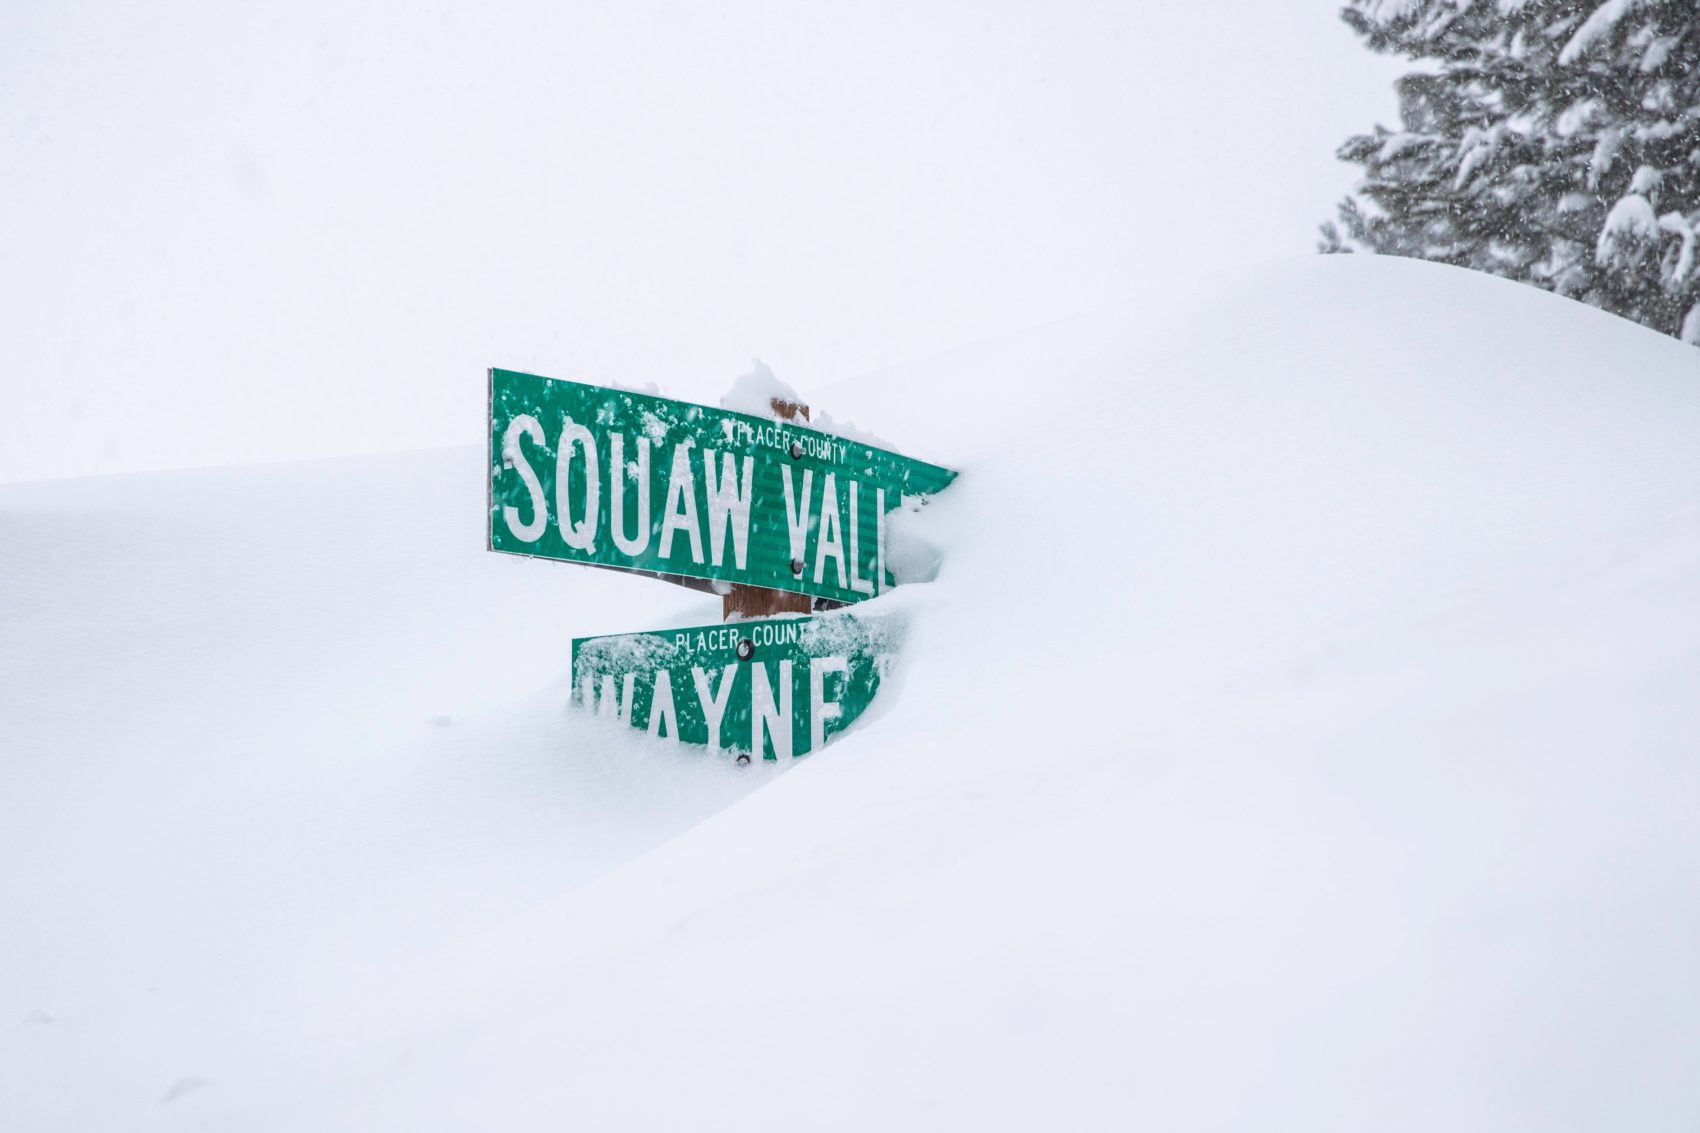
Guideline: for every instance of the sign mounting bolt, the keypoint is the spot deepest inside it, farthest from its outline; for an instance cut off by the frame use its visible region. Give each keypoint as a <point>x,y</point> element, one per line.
<point>746,649</point>
<point>797,567</point>
<point>796,450</point>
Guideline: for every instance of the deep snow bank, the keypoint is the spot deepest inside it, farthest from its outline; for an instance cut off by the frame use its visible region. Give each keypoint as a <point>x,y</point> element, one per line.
<point>1299,735</point>
<point>266,732</point>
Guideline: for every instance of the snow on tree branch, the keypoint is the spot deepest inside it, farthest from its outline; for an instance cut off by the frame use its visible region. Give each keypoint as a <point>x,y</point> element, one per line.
<point>1548,141</point>
<point>1596,28</point>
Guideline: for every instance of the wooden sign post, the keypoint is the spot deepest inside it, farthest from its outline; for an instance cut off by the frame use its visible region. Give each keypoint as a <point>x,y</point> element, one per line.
<point>758,601</point>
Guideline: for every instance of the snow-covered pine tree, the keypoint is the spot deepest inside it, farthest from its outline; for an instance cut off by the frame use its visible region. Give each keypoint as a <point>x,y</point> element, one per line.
<point>1555,142</point>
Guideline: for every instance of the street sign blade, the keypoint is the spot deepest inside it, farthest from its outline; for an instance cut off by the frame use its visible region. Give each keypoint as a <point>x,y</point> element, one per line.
<point>780,687</point>
<point>615,478</point>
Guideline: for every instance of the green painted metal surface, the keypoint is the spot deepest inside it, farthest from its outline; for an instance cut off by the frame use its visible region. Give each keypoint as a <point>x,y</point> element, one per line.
<point>619,479</point>
<point>796,683</point>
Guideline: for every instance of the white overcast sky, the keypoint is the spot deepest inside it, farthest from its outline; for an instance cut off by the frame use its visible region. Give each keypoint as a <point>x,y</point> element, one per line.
<point>233,232</point>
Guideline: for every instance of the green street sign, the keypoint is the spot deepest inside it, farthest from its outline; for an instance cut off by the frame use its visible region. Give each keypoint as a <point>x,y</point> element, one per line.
<point>779,686</point>
<point>619,479</point>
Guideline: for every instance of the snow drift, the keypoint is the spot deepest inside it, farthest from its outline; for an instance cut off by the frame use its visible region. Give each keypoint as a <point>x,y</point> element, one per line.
<point>1300,734</point>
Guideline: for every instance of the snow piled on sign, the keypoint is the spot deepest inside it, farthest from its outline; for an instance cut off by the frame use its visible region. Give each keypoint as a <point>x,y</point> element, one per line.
<point>756,391</point>
<point>1299,734</point>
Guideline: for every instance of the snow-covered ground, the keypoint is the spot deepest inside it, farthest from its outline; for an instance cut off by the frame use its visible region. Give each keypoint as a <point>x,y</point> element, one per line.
<point>1301,734</point>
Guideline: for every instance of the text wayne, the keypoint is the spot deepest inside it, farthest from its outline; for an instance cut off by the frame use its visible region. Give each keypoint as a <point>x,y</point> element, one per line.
<point>821,515</point>
<point>769,702</point>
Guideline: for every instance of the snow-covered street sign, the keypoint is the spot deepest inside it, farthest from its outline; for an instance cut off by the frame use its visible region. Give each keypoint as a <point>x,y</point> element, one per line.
<point>627,480</point>
<point>780,687</point>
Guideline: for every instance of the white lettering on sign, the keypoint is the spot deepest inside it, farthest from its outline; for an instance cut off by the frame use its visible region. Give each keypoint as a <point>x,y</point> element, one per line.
<point>661,708</point>
<point>829,540</point>
<point>664,488</point>
<point>609,702</point>
<point>771,697</point>
<point>680,514</point>
<point>619,474</point>
<point>857,583</point>
<point>727,506</point>
<point>727,637</point>
<point>820,708</point>
<point>714,707</point>
<point>825,529</point>
<point>777,436</point>
<point>765,715</point>
<point>797,513</point>
<point>575,437</point>
<point>879,539</point>
<point>619,706</point>
<point>513,456</point>
<point>777,633</point>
